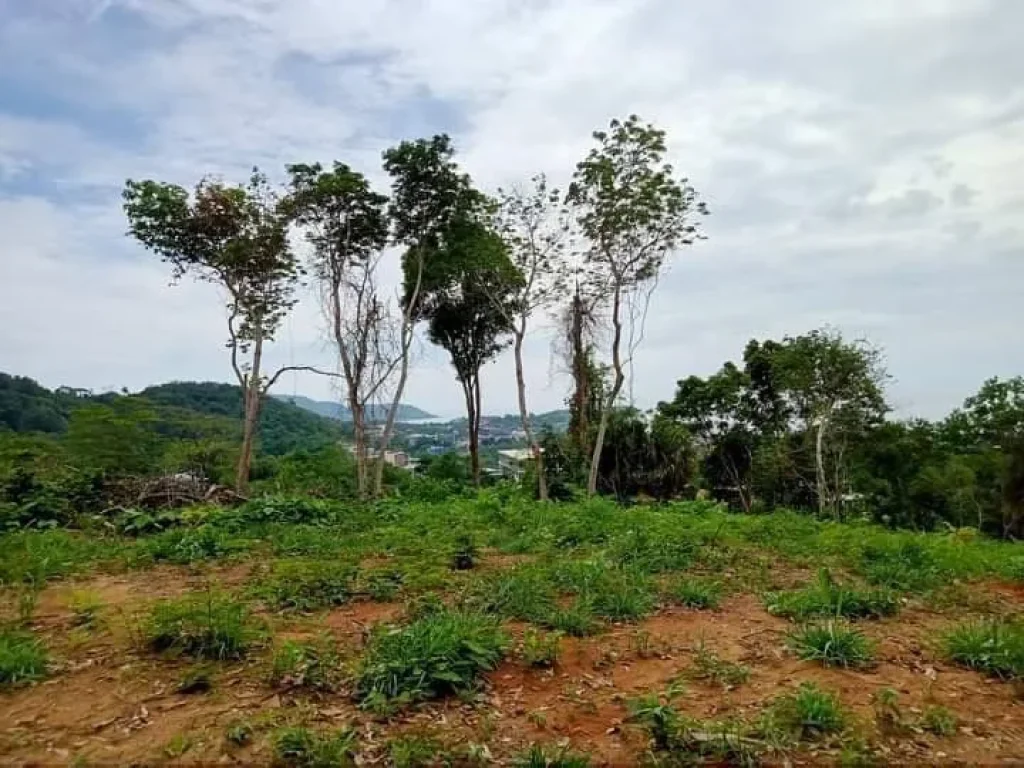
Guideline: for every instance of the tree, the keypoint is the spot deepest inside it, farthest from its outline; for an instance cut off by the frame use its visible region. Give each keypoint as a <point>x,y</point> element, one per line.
<point>469,308</point>
<point>633,212</point>
<point>234,237</point>
<point>534,225</point>
<point>346,224</point>
<point>427,192</point>
<point>118,438</point>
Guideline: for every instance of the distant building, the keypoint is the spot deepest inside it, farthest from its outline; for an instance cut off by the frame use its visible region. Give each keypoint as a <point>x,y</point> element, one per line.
<point>513,462</point>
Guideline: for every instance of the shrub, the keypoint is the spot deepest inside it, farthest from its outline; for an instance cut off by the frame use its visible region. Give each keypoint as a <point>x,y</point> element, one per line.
<point>303,665</point>
<point>995,647</point>
<point>832,643</point>
<point>270,509</point>
<point>307,585</point>
<point>695,593</point>
<point>809,713</point>
<point>540,649</point>
<point>303,748</point>
<point>826,598</point>
<point>442,653</point>
<point>22,658</point>
<point>539,756</point>
<point>206,626</point>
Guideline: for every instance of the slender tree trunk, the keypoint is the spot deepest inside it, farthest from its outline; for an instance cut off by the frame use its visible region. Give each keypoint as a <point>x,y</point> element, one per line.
<point>524,415</point>
<point>471,393</point>
<point>595,459</point>
<point>579,424</point>
<point>819,462</point>
<point>359,436</point>
<point>252,393</point>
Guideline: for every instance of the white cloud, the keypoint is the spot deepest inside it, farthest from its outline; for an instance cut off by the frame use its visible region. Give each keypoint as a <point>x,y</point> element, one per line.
<point>862,161</point>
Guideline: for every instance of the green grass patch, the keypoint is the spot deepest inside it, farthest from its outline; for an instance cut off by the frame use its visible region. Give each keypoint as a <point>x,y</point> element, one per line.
<point>809,714</point>
<point>304,748</point>
<point>35,557</point>
<point>415,752</point>
<point>832,644</point>
<point>184,546</point>
<point>827,597</point>
<point>23,658</point>
<point>540,756</point>
<point>992,646</point>
<point>206,626</point>
<point>939,721</point>
<point>439,654</point>
<point>315,666</point>
<point>540,649</point>
<point>306,584</point>
<point>690,592</point>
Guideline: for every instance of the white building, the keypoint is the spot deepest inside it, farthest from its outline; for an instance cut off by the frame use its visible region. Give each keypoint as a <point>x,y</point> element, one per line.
<point>513,462</point>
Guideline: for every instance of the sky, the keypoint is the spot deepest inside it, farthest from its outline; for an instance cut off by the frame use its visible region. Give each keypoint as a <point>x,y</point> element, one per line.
<point>862,161</point>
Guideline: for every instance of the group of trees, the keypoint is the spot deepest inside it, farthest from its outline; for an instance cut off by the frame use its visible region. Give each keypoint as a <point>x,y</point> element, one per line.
<point>476,268</point>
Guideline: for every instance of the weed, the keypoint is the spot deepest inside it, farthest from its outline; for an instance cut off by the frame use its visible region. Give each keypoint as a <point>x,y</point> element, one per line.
<point>621,596</point>
<point>239,732</point>
<point>35,557</point>
<point>576,620</point>
<point>302,665</point>
<point>190,545</point>
<point>414,751</point>
<point>641,643</point>
<point>439,654</point>
<point>179,745</point>
<point>306,585</point>
<point>810,713</point>
<point>540,649</point>
<point>85,608</point>
<point>198,679</point>
<point>659,717</point>
<point>904,565</point>
<point>939,720</point>
<point>994,646</point>
<point>832,643</point>
<point>709,667</point>
<point>22,658</point>
<point>208,626</point>
<point>695,593</point>
<point>27,600</point>
<point>538,756</point>
<point>464,554</point>
<point>826,597</point>
<point>888,715</point>
<point>381,584</point>
<point>303,748</point>
<point>522,593</point>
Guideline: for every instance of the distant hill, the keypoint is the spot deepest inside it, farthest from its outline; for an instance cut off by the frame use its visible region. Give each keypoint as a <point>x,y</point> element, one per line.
<point>556,421</point>
<point>340,412</point>
<point>26,406</point>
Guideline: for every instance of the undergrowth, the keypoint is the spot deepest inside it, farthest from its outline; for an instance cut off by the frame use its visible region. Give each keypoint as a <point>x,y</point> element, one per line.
<point>207,625</point>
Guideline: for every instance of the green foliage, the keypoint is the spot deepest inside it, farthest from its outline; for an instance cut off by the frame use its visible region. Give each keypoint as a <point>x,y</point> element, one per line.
<point>205,626</point>
<point>119,438</point>
<point>316,666</point>
<point>826,597</point>
<point>539,756</point>
<point>294,510</point>
<point>832,644</point>
<point>939,720</point>
<point>35,557</point>
<point>810,713</point>
<point>414,752</point>
<point>306,584</point>
<point>540,649</point>
<point>442,653</point>
<point>303,748</point>
<point>190,545</point>
<point>23,658</point>
<point>690,592</point>
<point>992,646</point>
<point>239,732</point>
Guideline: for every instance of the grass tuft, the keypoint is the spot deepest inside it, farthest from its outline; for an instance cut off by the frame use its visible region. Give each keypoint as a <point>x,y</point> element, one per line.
<point>303,748</point>
<point>303,665</point>
<point>833,644</point>
<point>205,626</point>
<point>826,597</point>
<point>695,593</point>
<point>711,668</point>
<point>306,585</point>
<point>540,649</point>
<point>23,658</point>
<point>939,720</point>
<point>994,646</point>
<point>809,714</point>
<point>539,756</point>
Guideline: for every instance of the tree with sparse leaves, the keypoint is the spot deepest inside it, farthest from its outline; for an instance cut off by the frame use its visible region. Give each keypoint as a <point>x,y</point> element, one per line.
<point>633,212</point>
<point>236,237</point>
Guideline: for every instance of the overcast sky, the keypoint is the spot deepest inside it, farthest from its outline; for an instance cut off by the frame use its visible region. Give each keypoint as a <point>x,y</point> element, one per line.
<point>863,161</point>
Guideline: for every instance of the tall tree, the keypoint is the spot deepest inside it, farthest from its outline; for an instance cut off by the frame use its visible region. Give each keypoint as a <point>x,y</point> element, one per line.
<point>427,194</point>
<point>236,238</point>
<point>633,212</point>
<point>534,225</point>
<point>346,224</point>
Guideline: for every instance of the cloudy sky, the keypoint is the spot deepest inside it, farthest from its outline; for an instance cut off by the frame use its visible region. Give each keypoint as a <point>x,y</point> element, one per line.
<point>863,161</point>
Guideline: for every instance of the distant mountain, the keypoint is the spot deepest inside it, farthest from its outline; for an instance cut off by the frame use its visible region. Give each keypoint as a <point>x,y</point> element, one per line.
<point>339,412</point>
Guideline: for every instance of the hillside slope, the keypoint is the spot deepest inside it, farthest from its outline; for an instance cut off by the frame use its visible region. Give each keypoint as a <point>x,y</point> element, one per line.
<point>340,412</point>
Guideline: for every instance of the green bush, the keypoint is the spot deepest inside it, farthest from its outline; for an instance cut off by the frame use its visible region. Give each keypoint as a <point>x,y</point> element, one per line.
<point>273,509</point>
<point>439,654</point>
<point>695,593</point>
<point>22,658</point>
<point>826,597</point>
<point>994,646</point>
<point>303,748</point>
<point>306,585</point>
<point>316,666</point>
<point>206,626</point>
<point>833,644</point>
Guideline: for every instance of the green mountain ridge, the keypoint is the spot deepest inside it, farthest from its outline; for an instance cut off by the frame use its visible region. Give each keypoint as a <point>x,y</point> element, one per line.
<point>339,412</point>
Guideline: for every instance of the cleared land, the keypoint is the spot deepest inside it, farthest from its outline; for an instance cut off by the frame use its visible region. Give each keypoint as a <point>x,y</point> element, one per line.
<point>499,630</point>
